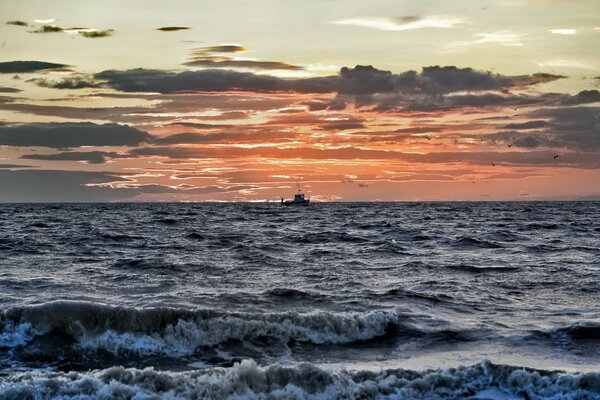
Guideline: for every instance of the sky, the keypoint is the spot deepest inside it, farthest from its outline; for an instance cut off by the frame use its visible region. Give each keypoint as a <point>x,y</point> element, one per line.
<point>352,100</point>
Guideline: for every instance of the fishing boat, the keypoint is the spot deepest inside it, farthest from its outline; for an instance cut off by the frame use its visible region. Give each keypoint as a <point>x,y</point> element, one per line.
<point>299,199</point>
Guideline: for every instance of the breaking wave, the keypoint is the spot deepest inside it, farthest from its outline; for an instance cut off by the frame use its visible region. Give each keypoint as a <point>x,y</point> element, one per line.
<point>306,381</point>
<point>178,332</point>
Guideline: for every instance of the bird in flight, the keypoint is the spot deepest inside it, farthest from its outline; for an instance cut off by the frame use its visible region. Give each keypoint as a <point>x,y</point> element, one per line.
<point>493,164</point>
<point>556,156</point>
<point>428,137</point>
<point>510,145</point>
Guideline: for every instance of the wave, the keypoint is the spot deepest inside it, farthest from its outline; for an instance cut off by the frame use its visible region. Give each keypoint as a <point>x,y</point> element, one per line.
<point>307,381</point>
<point>469,243</point>
<point>179,332</point>
<point>577,334</point>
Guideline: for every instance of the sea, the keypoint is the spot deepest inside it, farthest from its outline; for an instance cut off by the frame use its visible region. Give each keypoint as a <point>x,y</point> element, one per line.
<point>448,300</point>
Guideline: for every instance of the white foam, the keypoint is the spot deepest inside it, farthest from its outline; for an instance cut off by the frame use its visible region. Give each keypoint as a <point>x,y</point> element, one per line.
<point>14,335</point>
<point>247,380</point>
<point>184,337</point>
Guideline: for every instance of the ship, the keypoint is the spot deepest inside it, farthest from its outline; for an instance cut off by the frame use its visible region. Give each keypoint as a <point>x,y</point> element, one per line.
<point>299,199</point>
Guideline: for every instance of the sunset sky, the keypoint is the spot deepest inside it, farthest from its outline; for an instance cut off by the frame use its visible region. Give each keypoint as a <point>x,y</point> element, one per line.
<point>144,100</point>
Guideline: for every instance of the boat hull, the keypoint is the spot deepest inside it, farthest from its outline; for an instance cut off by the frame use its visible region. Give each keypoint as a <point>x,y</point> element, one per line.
<point>296,203</point>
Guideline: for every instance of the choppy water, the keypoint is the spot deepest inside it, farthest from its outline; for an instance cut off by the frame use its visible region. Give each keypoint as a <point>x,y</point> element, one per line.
<point>378,300</point>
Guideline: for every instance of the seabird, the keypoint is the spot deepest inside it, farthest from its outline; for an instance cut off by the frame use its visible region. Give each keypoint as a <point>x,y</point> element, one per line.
<point>556,156</point>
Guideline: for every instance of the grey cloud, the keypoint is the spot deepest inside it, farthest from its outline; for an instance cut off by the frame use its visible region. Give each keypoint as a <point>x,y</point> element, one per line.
<point>16,22</point>
<point>223,48</point>
<point>91,157</point>
<point>65,135</point>
<point>576,128</point>
<point>75,82</point>
<point>78,186</point>
<point>11,67</point>
<point>172,28</point>
<point>9,90</point>
<point>48,29</point>
<point>60,186</point>
<point>585,96</point>
<point>361,80</point>
<point>13,166</point>
<point>97,34</point>
<point>527,125</point>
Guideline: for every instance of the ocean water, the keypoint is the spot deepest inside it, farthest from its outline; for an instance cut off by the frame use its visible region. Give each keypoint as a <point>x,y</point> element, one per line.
<point>490,300</point>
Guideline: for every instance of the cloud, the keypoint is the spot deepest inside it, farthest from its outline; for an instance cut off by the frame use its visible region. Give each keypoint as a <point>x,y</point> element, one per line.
<point>144,80</point>
<point>11,67</point>
<point>563,31</point>
<point>91,33</point>
<point>562,63</point>
<point>9,90</point>
<point>212,56</point>
<point>527,125</point>
<point>45,21</point>
<point>17,23</point>
<point>172,28</point>
<point>65,135</point>
<point>14,166</point>
<point>403,23</point>
<point>585,96</point>
<point>94,34</point>
<point>574,128</point>
<point>227,62</point>
<point>91,157</point>
<point>60,186</point>
<point>75,82</point>
<point>360,80</point>
<point>48,29</point>
<point>222,48</point>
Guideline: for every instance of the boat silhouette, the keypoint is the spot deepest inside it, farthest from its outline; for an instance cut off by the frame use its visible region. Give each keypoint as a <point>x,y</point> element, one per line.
<point>298,200</point>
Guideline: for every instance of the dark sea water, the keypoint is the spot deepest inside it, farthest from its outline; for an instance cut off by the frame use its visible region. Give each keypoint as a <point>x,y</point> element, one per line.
<point>333,301</point>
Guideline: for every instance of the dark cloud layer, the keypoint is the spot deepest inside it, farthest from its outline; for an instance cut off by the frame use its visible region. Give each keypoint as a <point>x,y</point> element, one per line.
<point>78,186</point>
<point>11,67</point>
<point>60,186</point>
<point>358,81</point>
<point>13,166</point>
<point>73,82</point>
<point>91,157</point>
<point>575,128</point>
<point>9,90</point>
<point>583,97</point>
<point>65,135</point>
